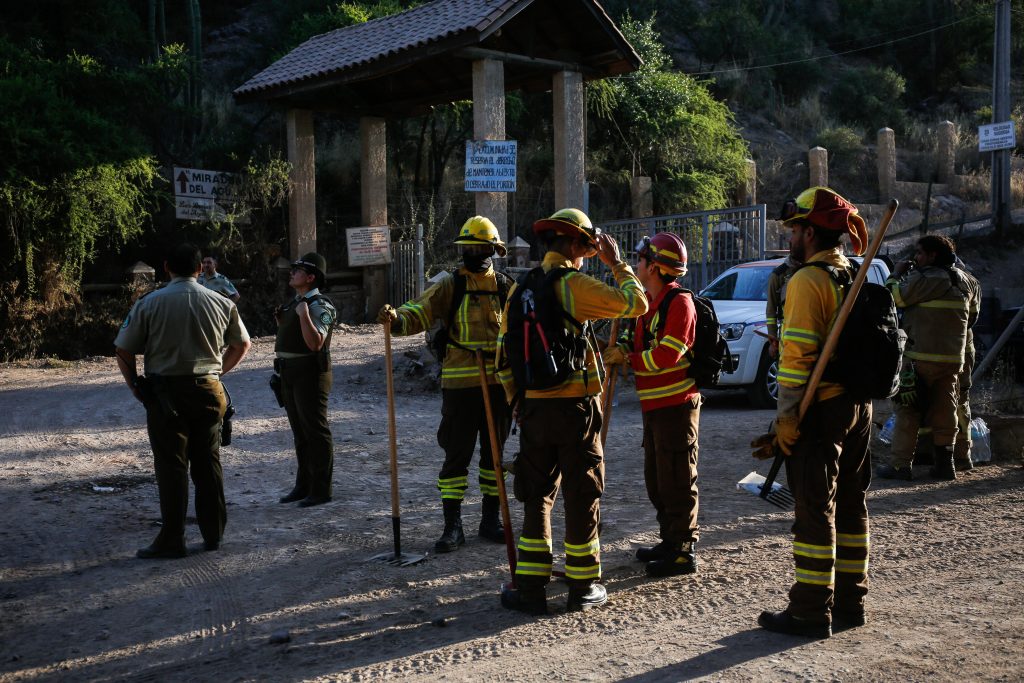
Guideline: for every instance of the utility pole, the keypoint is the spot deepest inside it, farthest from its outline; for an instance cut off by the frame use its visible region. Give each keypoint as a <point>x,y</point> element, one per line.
<point>1000,113</point>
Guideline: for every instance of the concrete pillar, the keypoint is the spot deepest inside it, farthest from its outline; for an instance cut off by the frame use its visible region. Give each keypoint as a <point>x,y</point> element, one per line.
<point>945,153</point>
<point>373,167</point>
<point>746,192</point>
<point>302,202</point>
<point>570,139</point>
<point>817,166</point>
<point>489,124</point>
<point>642,196</point>
<point>886,145</point>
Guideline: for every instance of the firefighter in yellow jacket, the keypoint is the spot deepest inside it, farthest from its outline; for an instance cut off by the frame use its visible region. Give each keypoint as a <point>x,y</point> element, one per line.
<point>560,444</point>
<point>962,449</point>
<point>471,325</point>
<point>827,466</point>
<point>934,298</point>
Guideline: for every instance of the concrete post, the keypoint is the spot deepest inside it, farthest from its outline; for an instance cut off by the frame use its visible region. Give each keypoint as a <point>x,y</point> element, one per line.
<point>945,153</point>
<point>570,139</point>
<point>489,124</point>
<point>642,197</point>
<point>373,166</point>
<point>886,145</point>
<point>302,202</point>
<point>817,166</point>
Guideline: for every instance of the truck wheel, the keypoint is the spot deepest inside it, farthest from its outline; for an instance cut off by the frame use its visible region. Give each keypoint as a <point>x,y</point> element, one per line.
<point>764,392</point>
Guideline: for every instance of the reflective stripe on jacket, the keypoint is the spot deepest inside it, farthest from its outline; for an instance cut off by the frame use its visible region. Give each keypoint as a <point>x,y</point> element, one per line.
<point>934,314</point>
<point>475,325</point>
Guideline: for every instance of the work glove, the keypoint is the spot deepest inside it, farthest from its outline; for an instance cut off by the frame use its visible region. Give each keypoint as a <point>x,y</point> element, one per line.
<point>387,314</point>
<point>781,436</point>
<point>614,355</point>
<point>907,394</point>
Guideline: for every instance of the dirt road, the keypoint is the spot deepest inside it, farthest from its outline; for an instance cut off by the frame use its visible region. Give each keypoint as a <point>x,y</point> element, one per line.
<point>79,497</point>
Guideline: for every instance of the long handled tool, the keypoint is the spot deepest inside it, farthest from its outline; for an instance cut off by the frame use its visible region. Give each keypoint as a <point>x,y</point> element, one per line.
<point>769,490</point>
<point>499,472</point>
<point>609,388</point>
<point>397,558</point>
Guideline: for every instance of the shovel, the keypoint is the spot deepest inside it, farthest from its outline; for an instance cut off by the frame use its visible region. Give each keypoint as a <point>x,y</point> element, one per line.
<point>396,558</point>
<point>609,389</point>
<point>506,518</point>
<point>767,488</point>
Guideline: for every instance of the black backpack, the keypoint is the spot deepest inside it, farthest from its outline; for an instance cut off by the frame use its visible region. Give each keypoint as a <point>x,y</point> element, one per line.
<point>870,348</point>
<point>710,353</point>
<point>441,339</point>
<point>541,352</point>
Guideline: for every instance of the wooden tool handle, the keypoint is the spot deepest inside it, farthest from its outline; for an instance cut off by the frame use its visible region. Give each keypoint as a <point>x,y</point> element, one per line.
<point>499,472</point>
<point>392,428</point>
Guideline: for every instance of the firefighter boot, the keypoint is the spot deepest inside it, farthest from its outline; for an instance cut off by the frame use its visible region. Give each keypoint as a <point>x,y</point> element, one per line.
<point>529,600</point>
<point>677,562</point>
<point>943,467</point>
<point>452,536</point>
<point>582,598</point>
<point>490,522</point>
<point>654,552</point>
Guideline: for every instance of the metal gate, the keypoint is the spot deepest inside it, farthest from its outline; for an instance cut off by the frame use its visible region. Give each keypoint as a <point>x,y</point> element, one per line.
<point>405,273</point>
<point>715,240</point>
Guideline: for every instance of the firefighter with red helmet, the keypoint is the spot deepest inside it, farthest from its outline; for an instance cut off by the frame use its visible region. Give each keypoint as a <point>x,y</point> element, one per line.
<point>560,442</point>
<point>658,350</point>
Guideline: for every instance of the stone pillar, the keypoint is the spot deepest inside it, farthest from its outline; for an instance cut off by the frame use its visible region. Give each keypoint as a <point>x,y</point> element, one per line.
<point>570,139</point>
<point>817,166</point>
<point>489,124</point>
<point>302,202</point>
<point>746,192</point>
<point>886,145</point>
<point>373,167</point>
<point>945,153</point>
<point>642,196</point>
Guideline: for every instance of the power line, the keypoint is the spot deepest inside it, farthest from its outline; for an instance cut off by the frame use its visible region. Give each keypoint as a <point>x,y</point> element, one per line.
<point>835,54</point>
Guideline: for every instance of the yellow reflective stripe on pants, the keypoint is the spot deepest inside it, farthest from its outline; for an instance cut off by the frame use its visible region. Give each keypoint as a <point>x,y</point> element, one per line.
<point>821,552</point>
<point>533,569</point>
<point>453,489</point>
<point>815,578</point>
<point>580,573</point>
<point>583,550</point>
<point>853,540</point>
<point>852,566</point>
<point>535,545</point>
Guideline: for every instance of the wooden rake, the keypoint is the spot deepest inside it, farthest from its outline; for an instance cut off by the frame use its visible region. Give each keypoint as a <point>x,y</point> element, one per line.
<point>766,487</point>
<point>397,558</point>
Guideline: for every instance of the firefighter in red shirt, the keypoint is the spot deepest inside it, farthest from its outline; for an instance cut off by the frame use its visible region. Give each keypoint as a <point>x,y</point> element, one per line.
<point>657,349</point>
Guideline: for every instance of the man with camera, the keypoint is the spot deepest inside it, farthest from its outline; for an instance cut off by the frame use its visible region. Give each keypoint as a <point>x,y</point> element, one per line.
<point>182,330</point>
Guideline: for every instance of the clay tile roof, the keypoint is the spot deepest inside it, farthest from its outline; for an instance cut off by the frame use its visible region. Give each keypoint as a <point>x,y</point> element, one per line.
<point>353,46</point>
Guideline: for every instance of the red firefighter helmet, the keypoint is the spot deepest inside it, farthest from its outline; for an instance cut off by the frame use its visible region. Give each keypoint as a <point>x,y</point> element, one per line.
<point>665,250</point>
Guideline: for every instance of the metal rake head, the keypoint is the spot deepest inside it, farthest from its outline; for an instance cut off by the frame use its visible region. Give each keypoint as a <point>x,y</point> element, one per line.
<point>402,560</point>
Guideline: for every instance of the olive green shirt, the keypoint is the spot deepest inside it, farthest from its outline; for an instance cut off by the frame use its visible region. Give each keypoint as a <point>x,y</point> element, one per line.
<point>181,329</point>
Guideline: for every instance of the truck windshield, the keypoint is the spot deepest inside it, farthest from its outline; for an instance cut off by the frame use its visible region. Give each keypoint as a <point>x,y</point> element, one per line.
<point>741,284</point>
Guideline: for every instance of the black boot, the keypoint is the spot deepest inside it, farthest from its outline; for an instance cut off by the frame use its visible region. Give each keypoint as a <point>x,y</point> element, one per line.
<point>943,467</point>
<point>589,597</point>
<point>452,537</point>
<point>527,600</point>
<point>675,562</point>
<point>784,622</point>
<point>653,553</point>
<point>490,523</point>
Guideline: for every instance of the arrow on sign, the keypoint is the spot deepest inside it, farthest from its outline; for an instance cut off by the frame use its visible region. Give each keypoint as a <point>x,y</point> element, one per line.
<point>183,179</point>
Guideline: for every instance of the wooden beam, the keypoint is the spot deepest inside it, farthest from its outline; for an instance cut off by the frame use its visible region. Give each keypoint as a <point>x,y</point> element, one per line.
<point>475,53</point>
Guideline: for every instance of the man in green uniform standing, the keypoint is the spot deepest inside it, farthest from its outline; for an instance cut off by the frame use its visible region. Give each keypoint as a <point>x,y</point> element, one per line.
<point>181,329</point>
<point>303,350</point>
<point>211,279</point>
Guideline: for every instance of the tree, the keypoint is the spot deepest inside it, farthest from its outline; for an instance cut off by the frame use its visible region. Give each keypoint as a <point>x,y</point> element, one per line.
<point>667,125</point>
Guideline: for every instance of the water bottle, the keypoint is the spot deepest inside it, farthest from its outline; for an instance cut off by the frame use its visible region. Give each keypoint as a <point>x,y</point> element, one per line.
<point>981,446</point>
<point>885,436</point>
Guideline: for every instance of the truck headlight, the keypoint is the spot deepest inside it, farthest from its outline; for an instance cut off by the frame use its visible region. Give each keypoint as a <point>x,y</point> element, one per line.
<point>732,331</point>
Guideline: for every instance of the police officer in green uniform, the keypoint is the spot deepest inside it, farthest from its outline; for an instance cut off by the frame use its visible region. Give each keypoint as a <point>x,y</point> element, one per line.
<point>181,330</point>
<point>303,350</point>
<point>211,279</point>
